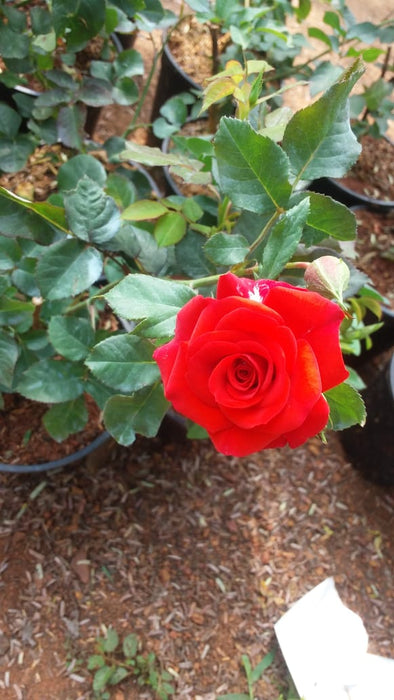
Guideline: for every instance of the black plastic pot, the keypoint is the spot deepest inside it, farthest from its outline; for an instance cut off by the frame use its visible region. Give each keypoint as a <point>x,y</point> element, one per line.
<point>172,80</point>
<point>382,340</point>
<point>92,113</point>
<point>370,449</point>
<point>57,463</point>
<point>336,189</point>
<point>341,193</point>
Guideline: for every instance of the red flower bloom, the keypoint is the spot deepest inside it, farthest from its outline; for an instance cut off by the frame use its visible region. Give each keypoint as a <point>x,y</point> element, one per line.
<point>251,365</point>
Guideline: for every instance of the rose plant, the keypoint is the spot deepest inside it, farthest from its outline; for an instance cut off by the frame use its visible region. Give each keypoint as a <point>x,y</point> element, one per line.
<point>63,63</point>
<point>226,324</point>
<point>252,365</point>
<point>250,30</point>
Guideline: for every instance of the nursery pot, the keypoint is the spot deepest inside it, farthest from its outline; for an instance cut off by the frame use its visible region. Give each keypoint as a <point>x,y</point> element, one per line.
<point>92,113</point>
<point>57,463</point>
<point>373,245</point>
<point>172,80</point>
<point>371,448</point>
<point>382,339</point>
<point>351,191</point>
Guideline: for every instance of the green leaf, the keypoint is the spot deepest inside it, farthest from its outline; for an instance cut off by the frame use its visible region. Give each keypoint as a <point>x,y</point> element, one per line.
<point>125,91</point>
<point>138,243</point>
<point>355,380</point>
<point>141,296</point>
<point>196,432</point>
<point>52,381</point>
<point>191,209</point>
<point>323,77</point>
<point>12,44</point>
<point>364,31</point>
<point>303,9</point>
<point>141,413</point>
<point>191,258</point>
<point>129,63</point>
<point>15,151</point>
<point>95,92</point>
<point>222,86</point>
<point>318,139</point>
<point>247,666</point>
<point>226,248</point>
<point>10,253</point>
<point>95,661</point>
<point>283,240</point>
<point>160,328</point>
<point>8,356</point>
<point>144,210</point>
<point>70,125</point>
<point>130,646</point>
<point>76,168</point>
<point>17,214</point>
<point>98,391</point>
<point>117,421</point>
<point>121,190</point>
<point>64,419</point>
<point>111,640</point>
<point>67,268</point>
<point>346,407</point>
<point>23,277</point>
<point>92,215</point>
<point>13,312</point>
<point>124,362</point>
<point>262,666</point>
<point>170,229</point>
<point>78,22</point>
<point>148,155</point>
<point>233,696</point>
<point>333,20</point>
<point>71,336</point>
<point>102,677</point>
<point>328,218</point>
<point>253,170</point>
<point>10,121</point>
<point>316,33</point>
<point>120,674</point>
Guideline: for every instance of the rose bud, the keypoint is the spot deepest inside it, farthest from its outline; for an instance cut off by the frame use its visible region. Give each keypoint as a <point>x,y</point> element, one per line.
<point>329,276</point>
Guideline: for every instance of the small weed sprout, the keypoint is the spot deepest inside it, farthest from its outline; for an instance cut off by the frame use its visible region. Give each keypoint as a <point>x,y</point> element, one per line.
<point>114,661</point>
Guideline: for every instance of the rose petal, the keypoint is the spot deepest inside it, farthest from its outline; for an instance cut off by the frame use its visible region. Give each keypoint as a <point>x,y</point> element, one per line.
<point>180,393</point>
<point>316,319</point>
<point>189,315</point>
<point>315,422</point>
<point>238,379</point>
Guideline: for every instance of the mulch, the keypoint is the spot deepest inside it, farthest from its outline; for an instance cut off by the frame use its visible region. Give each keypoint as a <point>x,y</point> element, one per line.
<point>197,553</point>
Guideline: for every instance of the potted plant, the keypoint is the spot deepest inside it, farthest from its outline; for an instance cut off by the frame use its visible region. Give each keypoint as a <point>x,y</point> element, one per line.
<point>50,315</point>
<point>61,67</point>
<point>167,262</point>
<point>203,40</point>
<point>200,44</point>
<point>370,180</point>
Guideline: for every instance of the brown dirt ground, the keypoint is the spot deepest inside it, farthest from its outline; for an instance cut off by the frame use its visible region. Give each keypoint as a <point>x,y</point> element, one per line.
<point>197,553</point>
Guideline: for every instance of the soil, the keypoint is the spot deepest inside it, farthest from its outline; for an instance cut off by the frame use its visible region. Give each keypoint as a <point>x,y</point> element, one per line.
<point>373,174</point>
<point>375,249</point>
<point>37,180</point>
<point>196,553</point>
<point>190,45</point>
<point>24,439</point>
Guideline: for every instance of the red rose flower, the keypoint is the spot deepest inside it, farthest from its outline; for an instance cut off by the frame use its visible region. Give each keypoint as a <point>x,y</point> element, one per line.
<point>251,365</point>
